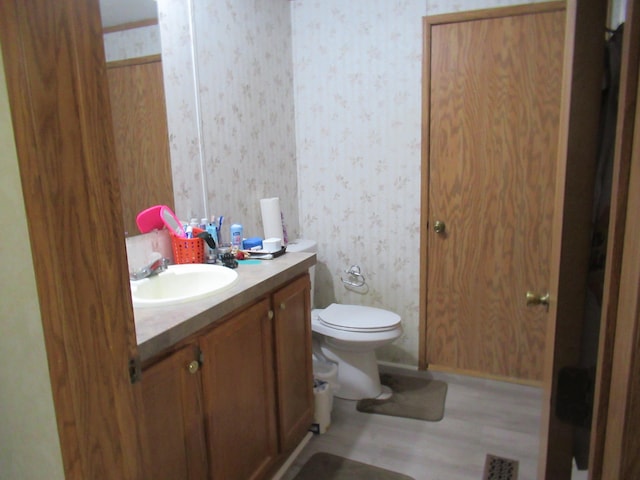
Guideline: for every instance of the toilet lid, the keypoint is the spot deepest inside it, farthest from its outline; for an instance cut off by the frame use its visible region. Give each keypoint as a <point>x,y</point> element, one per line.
<point>358,318</point>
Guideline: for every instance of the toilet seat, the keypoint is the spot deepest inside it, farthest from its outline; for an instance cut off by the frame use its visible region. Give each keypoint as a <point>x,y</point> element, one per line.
<point>357,318</point>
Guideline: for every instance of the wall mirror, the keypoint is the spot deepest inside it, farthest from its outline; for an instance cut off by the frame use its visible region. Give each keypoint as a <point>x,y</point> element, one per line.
<point>227,74</point>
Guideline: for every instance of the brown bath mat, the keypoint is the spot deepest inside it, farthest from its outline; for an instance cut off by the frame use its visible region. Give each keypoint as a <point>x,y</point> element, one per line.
<point>413,397</point>
<point>325,466</point>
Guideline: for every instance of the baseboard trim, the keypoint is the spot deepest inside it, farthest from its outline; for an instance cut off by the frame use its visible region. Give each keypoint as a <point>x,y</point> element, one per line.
<point>461,372</point>
<point>486,376</point>
<point>292,458</point>
<point>384,363</point>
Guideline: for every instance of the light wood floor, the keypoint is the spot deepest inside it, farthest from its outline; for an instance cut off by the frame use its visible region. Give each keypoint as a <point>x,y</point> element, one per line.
<point>481,417</point>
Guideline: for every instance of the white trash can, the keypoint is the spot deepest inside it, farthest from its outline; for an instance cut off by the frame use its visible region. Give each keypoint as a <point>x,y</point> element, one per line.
<point>324,385</point>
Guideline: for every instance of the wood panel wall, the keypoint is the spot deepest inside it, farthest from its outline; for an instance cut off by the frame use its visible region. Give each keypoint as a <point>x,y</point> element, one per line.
<point>142,140</point>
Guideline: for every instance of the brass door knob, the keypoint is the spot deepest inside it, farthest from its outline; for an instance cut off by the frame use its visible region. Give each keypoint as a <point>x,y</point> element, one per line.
<point>537,299</point>
<point>193,366</point>
<point>439,227</point>
<point>282,306</point>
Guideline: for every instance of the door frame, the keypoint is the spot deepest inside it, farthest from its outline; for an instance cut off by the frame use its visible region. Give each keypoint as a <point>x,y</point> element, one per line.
<point>616,413</point>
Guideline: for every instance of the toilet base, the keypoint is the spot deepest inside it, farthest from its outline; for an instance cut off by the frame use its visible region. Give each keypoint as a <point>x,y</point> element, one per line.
<point>358,374</point>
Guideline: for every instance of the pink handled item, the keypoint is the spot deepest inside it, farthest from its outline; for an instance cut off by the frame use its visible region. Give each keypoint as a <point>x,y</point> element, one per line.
<point>158,216</point>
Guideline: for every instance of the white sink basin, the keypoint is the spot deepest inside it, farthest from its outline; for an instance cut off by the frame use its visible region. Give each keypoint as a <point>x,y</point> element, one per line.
<point>181,283</point>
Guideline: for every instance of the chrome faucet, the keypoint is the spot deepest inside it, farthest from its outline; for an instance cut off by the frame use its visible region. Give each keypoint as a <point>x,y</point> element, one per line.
<point>155,267</point>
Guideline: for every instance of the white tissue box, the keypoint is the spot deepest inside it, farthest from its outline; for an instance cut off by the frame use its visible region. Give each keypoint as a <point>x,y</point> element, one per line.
<point>272,245</point>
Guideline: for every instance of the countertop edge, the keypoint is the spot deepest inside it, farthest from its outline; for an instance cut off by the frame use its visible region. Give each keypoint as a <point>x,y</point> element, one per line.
<point>186,320</point>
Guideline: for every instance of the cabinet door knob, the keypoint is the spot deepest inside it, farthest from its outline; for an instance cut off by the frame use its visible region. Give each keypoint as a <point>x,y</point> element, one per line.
<point>271,314</point>
<point>439,227</point>
<point>282,306</point>
<point>193,366</point>
<point>537,299</point>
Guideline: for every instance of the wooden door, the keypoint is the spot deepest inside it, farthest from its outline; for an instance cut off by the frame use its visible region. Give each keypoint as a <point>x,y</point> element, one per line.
<point>493,94</point>
<point>238,385</point>
<point>136,92</point>
<point>174,420</point>
<point>292,327</point>
<point>54,63</point>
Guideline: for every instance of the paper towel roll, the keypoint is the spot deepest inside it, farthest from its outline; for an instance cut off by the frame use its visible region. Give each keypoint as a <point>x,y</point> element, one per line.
<point>271,218</point>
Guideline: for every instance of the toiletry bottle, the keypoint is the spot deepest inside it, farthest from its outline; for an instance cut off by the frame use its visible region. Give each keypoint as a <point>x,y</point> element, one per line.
<point>236,235</point>
<point>212,253</point>
<point>212,228</point>
<point>285,237</point>
<point>220,231</point>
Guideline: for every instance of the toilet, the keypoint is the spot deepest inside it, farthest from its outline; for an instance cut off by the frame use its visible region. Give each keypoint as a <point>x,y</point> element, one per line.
<point>348,335</point>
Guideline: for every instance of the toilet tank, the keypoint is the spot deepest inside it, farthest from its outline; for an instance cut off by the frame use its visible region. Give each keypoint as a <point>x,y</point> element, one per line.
<point>310,246</point>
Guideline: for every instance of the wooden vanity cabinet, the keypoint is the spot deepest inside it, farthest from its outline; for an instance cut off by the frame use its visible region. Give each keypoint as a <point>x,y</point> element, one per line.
<point>173,417</point>
<point>236,413</point>
<point>292,326</point>
<point>239,395</point>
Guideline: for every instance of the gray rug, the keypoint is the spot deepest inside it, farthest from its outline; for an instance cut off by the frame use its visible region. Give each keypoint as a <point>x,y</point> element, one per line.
<point>413,397</point>
<point>325,466</point>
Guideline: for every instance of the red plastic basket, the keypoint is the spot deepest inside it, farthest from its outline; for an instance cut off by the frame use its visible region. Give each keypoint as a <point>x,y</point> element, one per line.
<point>188,250</point>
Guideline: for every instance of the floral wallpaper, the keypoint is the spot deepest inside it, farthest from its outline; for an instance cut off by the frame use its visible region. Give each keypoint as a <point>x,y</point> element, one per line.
<point>435,7</point>
<point>357,77</point>
<point>136,42</point>
<point>246,94</point>
<point>174,19</point>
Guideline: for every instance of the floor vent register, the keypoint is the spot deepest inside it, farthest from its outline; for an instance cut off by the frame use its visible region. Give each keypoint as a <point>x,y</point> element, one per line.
<point>499,468</point>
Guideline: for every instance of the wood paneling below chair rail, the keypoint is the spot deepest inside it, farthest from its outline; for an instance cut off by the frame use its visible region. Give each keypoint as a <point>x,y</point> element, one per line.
<point>142,139</point>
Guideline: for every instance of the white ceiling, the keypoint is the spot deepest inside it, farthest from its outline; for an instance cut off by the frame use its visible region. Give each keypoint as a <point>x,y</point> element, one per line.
<point>117,12</point>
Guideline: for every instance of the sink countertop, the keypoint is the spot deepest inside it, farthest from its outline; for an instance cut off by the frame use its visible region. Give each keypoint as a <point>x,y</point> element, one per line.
<point>159,328</point>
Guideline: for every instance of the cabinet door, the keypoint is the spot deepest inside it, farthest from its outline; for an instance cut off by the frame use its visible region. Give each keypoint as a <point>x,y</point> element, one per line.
<point>237,376</point>
<point>173,417</point>
<point>293,361</point>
